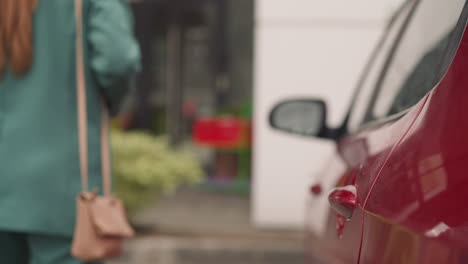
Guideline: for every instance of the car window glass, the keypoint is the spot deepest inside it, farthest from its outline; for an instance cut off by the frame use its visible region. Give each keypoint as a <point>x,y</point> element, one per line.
<point>368,85</point>
<point>415,67</point>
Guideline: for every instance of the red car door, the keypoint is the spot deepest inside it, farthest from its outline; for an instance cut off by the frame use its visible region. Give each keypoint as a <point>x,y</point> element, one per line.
<point>393,155</point>
<point>363,161</point>
<point>415,209</point>
<point>397,184</point>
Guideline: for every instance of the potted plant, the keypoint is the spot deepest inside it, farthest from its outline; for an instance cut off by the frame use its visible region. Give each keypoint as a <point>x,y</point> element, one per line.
<point>145,167</point>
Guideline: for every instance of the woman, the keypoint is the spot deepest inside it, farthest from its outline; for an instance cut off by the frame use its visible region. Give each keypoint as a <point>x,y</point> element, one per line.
<point>39,168</point>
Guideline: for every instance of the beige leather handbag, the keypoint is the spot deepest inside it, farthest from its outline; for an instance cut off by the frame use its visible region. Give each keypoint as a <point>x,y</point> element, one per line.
<point>101,222</point>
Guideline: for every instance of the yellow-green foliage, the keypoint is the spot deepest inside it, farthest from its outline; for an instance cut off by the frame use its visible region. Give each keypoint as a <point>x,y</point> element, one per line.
<point>145,167</point>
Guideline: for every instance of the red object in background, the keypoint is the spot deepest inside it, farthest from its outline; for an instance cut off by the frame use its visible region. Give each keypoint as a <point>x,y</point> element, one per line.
<point>316,189</point>
<point>222,132</point>
<point>189,108</point>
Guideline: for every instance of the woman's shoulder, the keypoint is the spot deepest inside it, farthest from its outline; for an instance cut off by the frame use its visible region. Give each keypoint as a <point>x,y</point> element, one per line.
<point>116,7</point>
<point>93,7</point>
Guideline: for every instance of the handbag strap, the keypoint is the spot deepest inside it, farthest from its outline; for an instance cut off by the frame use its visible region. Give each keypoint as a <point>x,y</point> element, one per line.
<point>82,114</point>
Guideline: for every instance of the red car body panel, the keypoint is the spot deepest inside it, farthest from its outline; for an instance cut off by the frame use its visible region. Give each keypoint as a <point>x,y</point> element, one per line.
<point>365,155</point>
<point>419,203</point>
<point>411,175</point>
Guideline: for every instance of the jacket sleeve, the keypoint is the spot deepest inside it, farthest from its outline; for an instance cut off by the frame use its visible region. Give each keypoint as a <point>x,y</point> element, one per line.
<point>113,50</point>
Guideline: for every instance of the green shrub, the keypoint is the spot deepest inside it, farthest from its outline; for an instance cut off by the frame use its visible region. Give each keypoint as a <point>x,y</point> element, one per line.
<point>145,167</point>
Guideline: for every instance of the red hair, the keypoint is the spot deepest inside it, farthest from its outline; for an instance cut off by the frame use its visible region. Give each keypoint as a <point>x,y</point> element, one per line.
<point>16,36</point>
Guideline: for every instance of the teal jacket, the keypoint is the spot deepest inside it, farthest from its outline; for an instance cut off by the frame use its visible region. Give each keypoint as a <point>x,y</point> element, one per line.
<point>39,168</point>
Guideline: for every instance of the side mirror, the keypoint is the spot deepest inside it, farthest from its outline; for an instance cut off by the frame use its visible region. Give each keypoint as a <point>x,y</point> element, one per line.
<point>306,117</point>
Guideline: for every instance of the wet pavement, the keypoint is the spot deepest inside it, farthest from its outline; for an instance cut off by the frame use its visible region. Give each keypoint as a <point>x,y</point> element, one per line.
<point>200,227</point>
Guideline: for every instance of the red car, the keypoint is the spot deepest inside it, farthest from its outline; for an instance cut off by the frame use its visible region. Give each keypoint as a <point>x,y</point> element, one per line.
<point>400,172</point>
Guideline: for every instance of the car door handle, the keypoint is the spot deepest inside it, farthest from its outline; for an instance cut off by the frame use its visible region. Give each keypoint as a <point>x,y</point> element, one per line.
<point>343,200</point>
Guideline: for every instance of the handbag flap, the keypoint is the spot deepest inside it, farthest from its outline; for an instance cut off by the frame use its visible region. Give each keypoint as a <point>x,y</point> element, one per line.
<point>109,218</point>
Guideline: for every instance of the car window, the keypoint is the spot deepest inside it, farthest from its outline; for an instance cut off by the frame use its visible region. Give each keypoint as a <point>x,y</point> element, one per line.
<point>375,67</point>
<point>414,68</point>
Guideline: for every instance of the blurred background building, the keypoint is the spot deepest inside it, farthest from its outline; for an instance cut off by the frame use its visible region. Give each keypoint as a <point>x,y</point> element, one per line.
<point>212,70</point>
<point>198,62</point>
<point>197,76</point>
